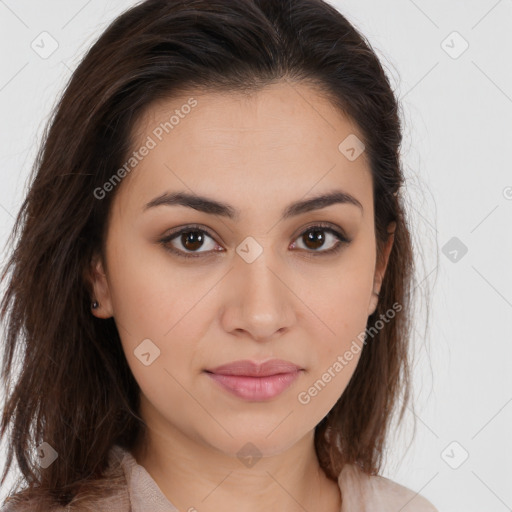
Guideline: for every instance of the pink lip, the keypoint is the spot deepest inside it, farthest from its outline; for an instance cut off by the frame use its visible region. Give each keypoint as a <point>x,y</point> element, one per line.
<point>255,381</point>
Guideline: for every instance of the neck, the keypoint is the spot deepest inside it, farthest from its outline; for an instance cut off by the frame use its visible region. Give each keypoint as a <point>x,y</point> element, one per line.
<point>195,476</point>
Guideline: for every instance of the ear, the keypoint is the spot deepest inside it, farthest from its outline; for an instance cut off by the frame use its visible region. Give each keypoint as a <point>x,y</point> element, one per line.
<point>100,288</point>
<point>380,269</point>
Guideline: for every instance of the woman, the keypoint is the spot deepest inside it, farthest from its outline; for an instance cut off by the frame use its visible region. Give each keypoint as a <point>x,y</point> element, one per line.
<point>213,273</point>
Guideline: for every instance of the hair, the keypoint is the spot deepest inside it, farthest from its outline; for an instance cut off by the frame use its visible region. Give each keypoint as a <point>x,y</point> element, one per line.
<point>75,390</point>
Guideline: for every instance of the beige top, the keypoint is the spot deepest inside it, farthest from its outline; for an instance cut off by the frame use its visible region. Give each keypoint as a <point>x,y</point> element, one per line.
<point>360,492</point>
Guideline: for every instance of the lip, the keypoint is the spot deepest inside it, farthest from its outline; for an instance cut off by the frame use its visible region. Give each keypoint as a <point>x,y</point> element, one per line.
<point>255,381</point>
<point>249,368</point>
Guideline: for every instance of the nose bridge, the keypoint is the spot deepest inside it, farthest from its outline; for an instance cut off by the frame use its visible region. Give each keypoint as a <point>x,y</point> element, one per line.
<point>262,301</point>
<point>260,279</point>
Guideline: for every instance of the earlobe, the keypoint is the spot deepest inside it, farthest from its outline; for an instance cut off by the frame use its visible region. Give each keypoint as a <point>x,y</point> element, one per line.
<point>374,300</point>
<point>101,304</point>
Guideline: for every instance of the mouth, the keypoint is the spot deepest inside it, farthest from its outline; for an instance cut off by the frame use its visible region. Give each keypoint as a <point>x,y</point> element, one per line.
<point>255,381</point>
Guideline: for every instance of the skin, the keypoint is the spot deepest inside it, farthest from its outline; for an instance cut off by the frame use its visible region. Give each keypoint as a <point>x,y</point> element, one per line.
<point>257,153</point>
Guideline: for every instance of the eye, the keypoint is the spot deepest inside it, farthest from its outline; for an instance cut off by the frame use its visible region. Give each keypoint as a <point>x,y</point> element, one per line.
<point>193,238</point>
<point>314,238</point>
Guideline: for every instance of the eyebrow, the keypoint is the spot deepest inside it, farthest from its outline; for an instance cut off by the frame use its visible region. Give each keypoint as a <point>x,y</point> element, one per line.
<point>213,207</point>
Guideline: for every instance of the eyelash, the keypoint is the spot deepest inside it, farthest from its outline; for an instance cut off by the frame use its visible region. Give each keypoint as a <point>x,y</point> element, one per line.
<point>342,240</point>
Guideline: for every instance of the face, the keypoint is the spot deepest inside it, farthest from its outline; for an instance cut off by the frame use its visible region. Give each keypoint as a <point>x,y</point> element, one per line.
<point>261,281</point>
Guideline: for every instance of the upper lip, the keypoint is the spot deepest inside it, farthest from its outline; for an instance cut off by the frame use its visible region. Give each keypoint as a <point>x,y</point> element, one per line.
<point>256,369</point>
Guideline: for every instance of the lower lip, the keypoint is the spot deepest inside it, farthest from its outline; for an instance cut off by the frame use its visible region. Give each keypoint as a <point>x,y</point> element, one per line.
<point>255,388</point>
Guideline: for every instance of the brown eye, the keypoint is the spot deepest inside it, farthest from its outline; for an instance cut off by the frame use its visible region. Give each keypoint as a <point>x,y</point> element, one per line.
<point>187,242</point>
<point>316,237</point>
<point>192,240</point>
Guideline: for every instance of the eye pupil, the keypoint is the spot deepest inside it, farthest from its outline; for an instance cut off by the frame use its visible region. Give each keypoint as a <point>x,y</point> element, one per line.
<point>194,238</point>
<point>316,236</point>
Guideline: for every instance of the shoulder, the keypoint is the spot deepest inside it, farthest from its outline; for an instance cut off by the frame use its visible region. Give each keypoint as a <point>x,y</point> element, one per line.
<point>25,506</point>
<point>109,493</point>
<point>362,492</point>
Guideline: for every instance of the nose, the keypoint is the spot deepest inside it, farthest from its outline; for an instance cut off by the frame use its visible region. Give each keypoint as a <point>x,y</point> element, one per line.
<point>259,303</point>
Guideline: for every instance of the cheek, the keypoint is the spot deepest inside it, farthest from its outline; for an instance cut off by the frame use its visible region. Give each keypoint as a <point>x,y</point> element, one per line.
<point>342,307</point>
<point>149,294</point>
<point>156,304</point>
<point>337,352</point>
<point>340,297</point>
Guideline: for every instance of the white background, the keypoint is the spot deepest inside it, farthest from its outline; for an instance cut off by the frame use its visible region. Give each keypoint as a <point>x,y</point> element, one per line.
<point>457,115</point>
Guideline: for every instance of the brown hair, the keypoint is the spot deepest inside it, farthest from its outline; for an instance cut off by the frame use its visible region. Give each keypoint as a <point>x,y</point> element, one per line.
<point>75,390</point>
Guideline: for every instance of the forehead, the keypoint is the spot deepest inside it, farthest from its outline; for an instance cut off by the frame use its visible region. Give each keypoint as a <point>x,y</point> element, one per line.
<point>284,138</point>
